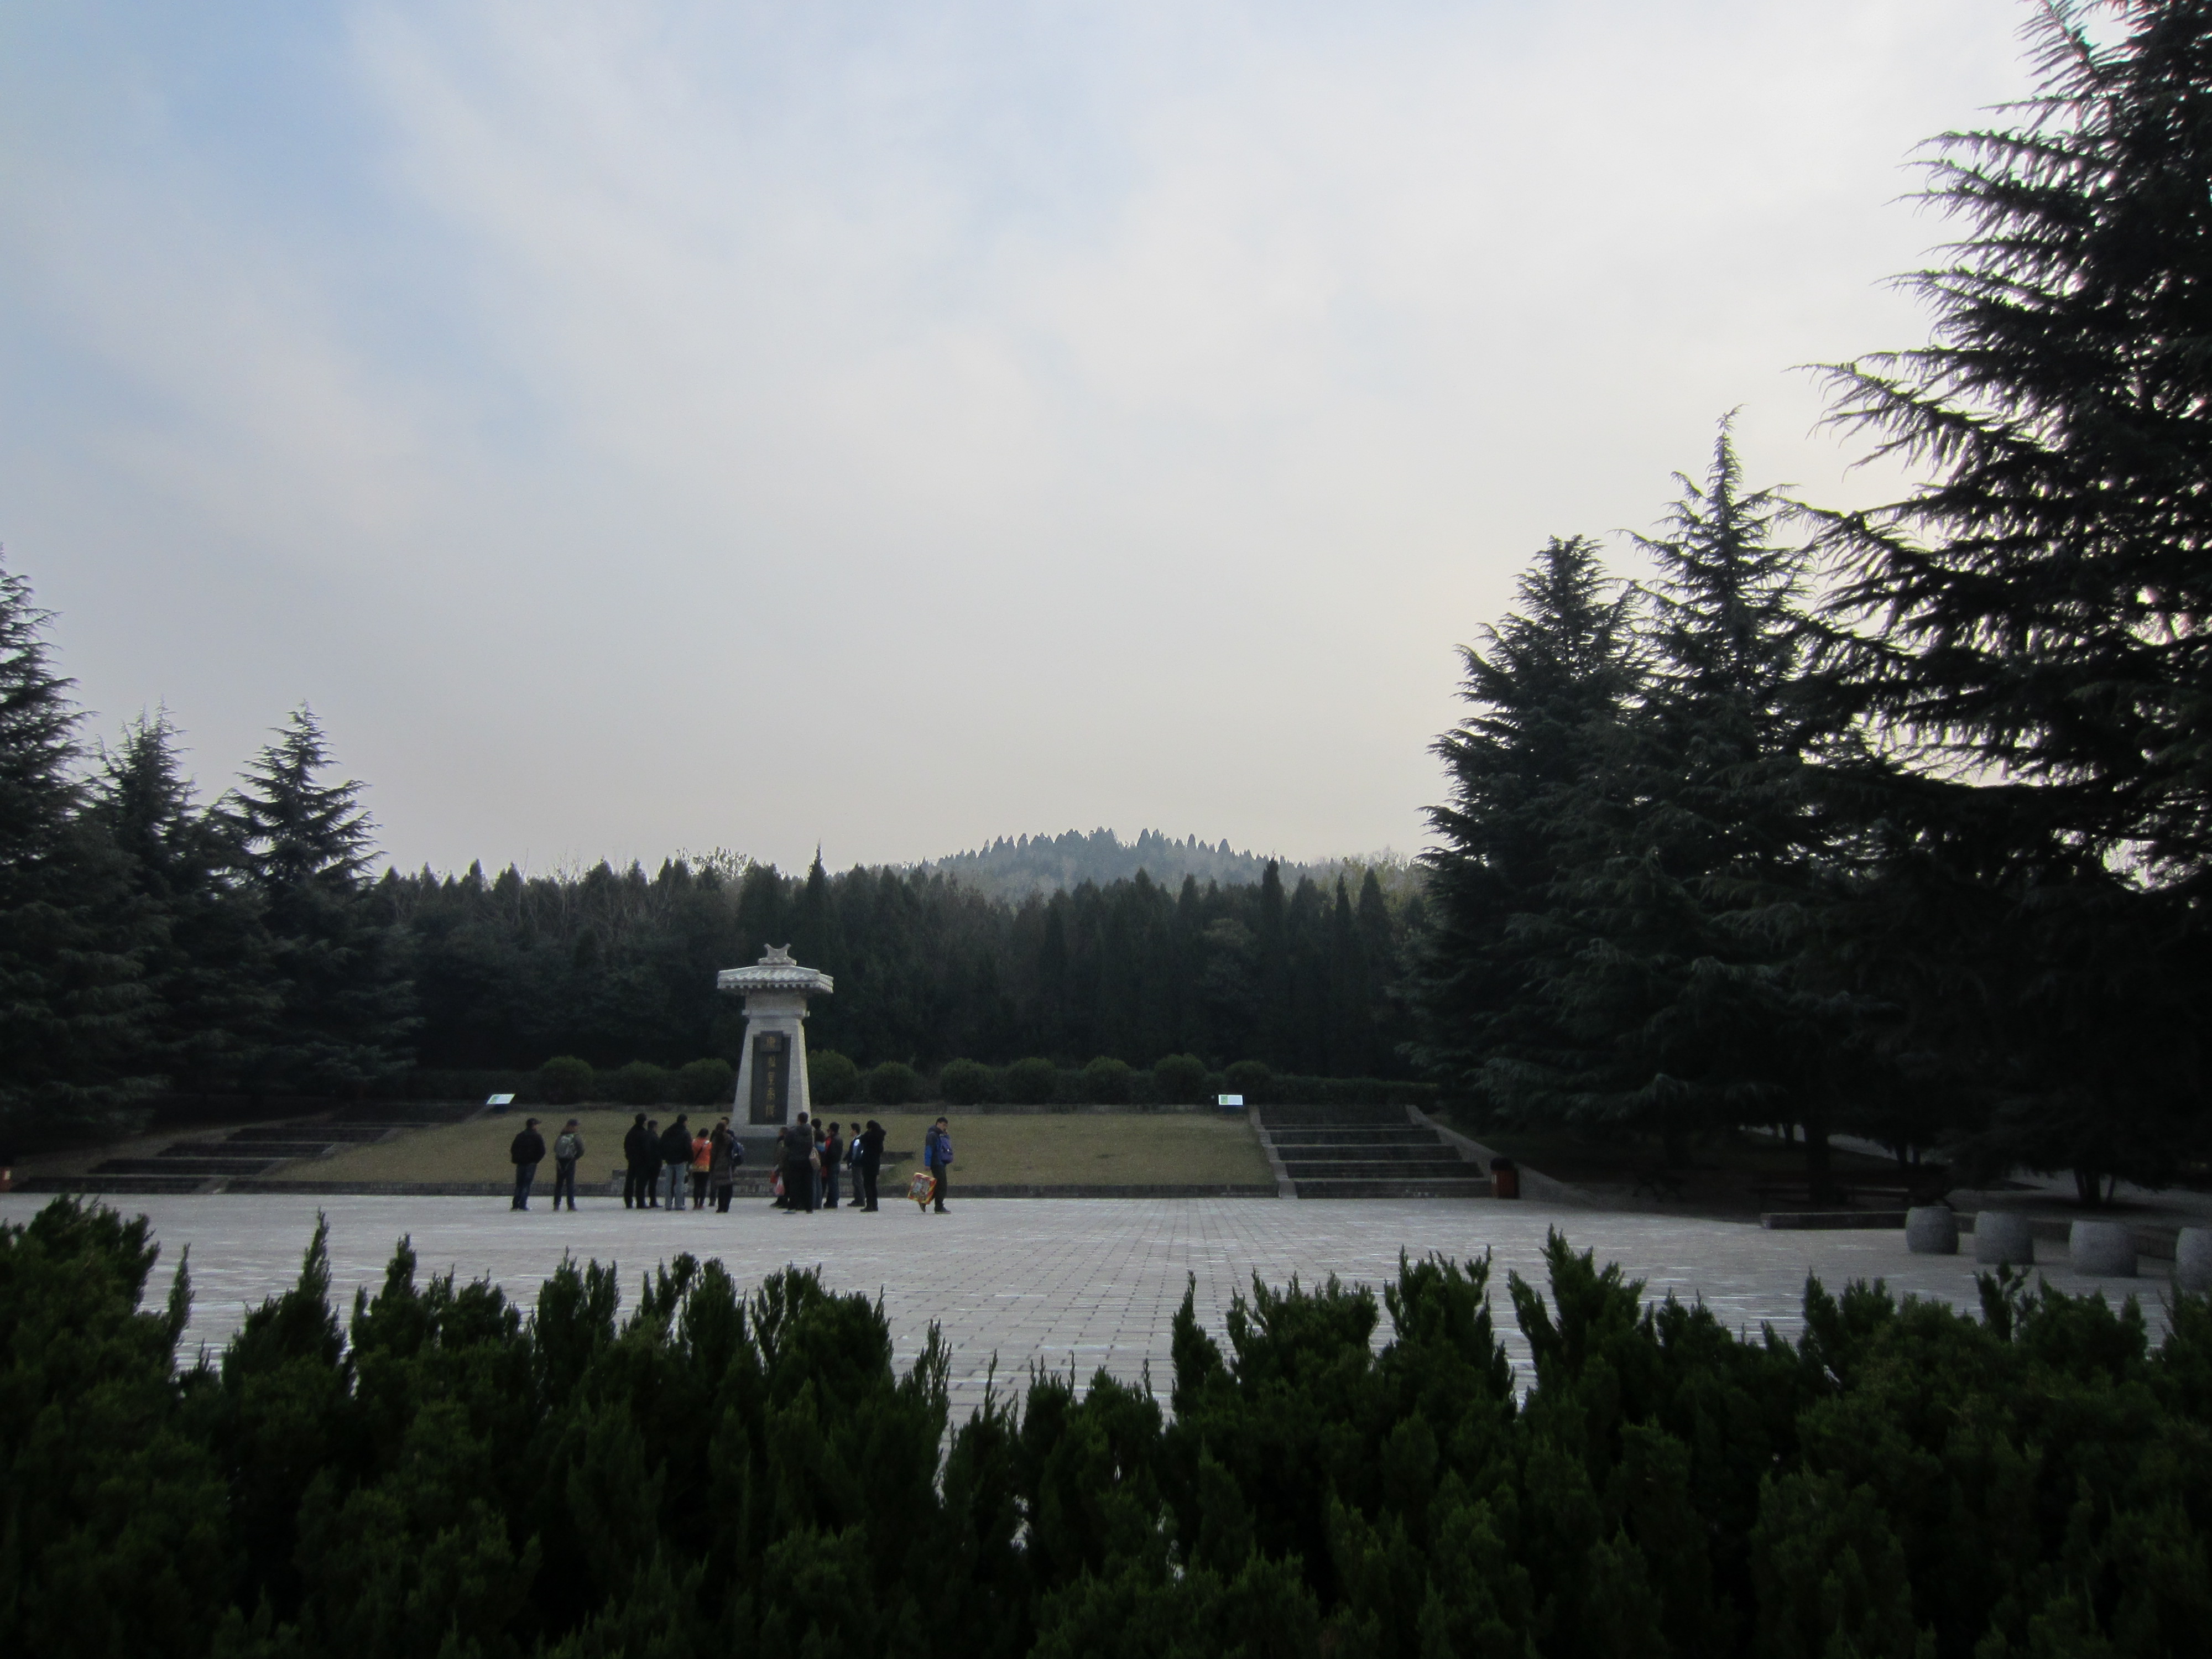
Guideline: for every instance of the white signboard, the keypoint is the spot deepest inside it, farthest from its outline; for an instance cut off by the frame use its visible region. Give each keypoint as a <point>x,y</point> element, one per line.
<point>500,1100</point>
<point>1229,1100</point>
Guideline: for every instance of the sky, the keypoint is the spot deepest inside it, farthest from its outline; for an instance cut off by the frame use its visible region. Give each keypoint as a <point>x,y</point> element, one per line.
<point>656,427</point>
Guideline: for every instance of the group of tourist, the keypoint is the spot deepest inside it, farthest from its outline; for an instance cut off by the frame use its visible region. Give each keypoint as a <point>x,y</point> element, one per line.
<point>812,1155</point>
<point>661,1164</point>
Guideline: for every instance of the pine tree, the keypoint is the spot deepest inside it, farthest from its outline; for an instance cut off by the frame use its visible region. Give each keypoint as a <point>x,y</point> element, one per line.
<point>346,1010</point>
<point>2036,640</point>
<point>1666,971</point>
<point>1532,799</point>
<point>72,1011</point>
<point>207,971</point>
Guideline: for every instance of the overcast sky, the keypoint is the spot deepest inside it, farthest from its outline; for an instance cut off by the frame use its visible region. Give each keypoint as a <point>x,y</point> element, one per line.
<point>645,427</point>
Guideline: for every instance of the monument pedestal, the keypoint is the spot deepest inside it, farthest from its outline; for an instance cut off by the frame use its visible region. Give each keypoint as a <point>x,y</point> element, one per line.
<point>772,1085</point>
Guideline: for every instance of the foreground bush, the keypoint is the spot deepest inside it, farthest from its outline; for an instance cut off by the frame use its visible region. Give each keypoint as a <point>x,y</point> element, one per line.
<point>717,1473</point>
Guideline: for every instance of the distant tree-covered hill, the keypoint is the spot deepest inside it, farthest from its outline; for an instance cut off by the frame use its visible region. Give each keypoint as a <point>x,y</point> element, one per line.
<point>1014,867</point>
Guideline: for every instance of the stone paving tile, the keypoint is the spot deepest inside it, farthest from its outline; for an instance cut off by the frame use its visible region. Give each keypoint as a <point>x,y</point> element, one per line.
<point>1049,1282</point>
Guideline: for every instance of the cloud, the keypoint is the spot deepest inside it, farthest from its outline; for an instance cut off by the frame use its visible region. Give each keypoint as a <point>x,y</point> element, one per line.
<point>676,425</point>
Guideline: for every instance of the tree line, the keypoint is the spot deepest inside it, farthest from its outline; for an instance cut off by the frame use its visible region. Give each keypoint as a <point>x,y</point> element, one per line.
<point>1893,821</point>
<point>154,941</point>
<point>710,1471</point>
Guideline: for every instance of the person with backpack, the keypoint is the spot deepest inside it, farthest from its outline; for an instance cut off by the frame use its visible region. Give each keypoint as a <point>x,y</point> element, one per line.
<point>527,1151</point>
<point>568,1148</point>
<point>936,1153</point>
<point>675,1157</point>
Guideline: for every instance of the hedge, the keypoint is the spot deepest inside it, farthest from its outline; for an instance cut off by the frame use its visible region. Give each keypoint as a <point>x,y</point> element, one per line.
<point>721,1474</point>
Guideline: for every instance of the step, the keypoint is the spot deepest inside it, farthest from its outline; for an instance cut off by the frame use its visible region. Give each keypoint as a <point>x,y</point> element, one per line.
<point>197,1168</point>
<point>1451,1166</point>
<point>1468,1186</point>
<point>1333,1117</point>
<point>1404,1136</point>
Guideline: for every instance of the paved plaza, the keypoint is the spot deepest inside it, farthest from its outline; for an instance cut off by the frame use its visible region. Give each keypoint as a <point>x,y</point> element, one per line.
<point>1093,1281</point>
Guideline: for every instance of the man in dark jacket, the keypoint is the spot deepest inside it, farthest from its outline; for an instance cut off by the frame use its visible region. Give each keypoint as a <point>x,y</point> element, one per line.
<point>799,1166</point>
<point>639,1163</point>
<point>528,1151</point>
<point>869,1162</point>
<point>675,1157</point>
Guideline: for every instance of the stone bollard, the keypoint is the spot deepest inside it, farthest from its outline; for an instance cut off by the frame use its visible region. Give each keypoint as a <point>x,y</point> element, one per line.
<point>2192,1260</point>
<point>1931,1230</point>
<point>2001,1237</point>
<point>2107,1248</point>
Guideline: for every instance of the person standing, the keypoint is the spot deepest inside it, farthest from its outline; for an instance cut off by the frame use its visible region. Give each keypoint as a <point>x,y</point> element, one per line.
<point>676,1157</point>
<point>527,1151</point>
<point>869,1162</point>
<point>637,1157</point>
<point>936,1153</point>
<point>568,1148</point>
<point>833,1155</point>
<point>798,1168</point>
<point>723,1151</point>
<point>651,1166</point>
<point>703,1165</point>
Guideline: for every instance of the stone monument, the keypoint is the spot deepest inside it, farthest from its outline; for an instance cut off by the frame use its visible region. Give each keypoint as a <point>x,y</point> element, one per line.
<point>772,1071</point>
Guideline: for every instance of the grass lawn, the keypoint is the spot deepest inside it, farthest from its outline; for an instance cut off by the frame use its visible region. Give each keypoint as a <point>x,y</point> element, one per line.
<point>1138,1149</point>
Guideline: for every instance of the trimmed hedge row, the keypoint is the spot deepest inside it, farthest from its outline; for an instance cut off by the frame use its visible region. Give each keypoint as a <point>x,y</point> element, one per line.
<point>1174,1080</point>
<point>718,1474</point>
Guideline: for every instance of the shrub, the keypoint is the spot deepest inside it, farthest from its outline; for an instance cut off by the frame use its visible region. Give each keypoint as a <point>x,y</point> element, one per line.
<point>1179,1080</point>
<point>831,1079</point>
<point>641,1083</point>
<point>564,1080</point>
<point>1252,1078</point>
<point>1031,1082</point>
<point>967,1082</point>
<point>894,1082</point>
<point>706,1083</point>
<point>1106,1082</point>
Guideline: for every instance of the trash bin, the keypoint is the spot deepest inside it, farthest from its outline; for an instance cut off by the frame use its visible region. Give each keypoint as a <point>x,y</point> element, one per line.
<point>1504,1178</point>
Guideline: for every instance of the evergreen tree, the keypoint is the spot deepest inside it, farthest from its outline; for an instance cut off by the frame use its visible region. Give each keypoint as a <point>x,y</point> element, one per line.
<point>72,1010</point>
<point>2037,648</point>
<point>1532,797</point>
<point>1666,968</point>
<point>346,1010</point>
<point>207,969</point>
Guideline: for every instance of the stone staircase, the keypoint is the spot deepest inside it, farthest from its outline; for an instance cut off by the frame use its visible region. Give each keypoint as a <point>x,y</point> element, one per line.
<point>199,1166</point>
<point>1366,1151</point>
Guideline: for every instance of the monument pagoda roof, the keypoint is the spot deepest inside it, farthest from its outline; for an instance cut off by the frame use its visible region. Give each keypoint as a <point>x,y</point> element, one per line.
<point>775,971</point>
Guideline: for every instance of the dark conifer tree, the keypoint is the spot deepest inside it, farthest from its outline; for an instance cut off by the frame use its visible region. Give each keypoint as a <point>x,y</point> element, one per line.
<point>72,1010</point>
<point>1535,794</point>
<point>2037,639</point>
<point>207,967</point>
<point>347,1011</point>
<point>1277,1030</point>
<point>1667,969</point>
